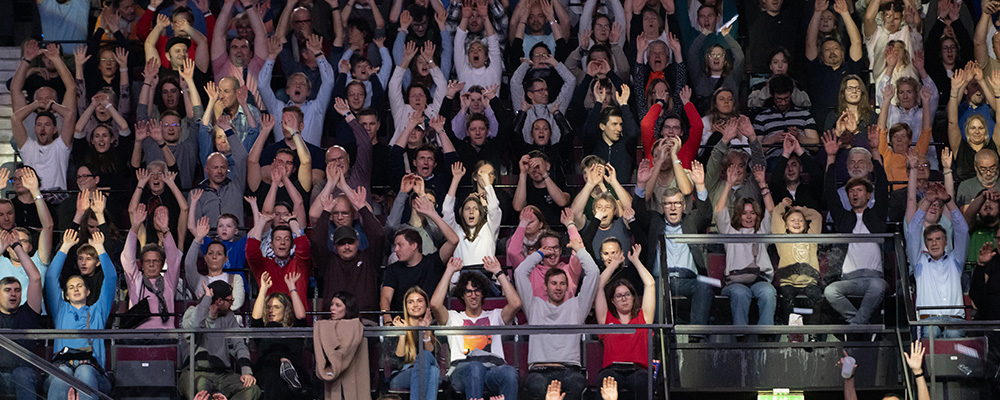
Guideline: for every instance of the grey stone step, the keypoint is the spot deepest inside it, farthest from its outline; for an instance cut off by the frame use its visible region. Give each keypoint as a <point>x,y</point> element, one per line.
<point>10,52</point>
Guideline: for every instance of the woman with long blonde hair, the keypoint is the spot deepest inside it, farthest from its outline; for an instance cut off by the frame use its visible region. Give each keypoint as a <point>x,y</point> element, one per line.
<point>414,358</point>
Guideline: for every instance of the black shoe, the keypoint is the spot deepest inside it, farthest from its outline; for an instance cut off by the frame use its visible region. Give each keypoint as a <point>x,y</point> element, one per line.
<point>291,377</point>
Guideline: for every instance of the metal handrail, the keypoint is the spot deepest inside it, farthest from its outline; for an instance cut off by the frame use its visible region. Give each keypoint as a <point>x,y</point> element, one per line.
<point>54,371</point>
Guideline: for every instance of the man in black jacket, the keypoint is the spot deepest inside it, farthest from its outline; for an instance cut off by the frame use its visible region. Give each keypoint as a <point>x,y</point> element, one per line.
<point>862,270</point>
<point>682,263</point>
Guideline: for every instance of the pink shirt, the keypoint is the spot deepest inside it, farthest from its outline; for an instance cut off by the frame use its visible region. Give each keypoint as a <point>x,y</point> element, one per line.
<point>137,292</point>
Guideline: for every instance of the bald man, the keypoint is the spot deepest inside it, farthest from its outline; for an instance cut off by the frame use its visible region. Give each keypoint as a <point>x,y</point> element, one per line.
<point>222,191</point>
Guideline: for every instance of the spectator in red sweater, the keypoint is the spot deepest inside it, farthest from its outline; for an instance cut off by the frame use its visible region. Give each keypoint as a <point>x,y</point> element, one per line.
<point>283,237</point>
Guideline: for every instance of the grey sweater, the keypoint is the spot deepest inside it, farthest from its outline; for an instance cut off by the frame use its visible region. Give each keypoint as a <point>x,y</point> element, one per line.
<point>563,349</point>
<point>213,351</point>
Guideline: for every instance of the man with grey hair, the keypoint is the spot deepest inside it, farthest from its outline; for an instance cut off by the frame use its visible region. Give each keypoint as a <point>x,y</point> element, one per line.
<point>859,165</point>
<point>986,177</point>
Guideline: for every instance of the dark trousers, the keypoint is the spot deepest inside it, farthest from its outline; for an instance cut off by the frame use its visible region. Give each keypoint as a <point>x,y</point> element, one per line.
<point>632,384</point>
<point>537,382</point>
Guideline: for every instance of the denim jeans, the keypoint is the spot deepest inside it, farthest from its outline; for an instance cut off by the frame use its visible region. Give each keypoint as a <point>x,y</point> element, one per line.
<point>22,381</point>
<point>474,379</point>
<point>925,331</point>
<point>699,293</point>
<point>634,385</point>
<point>410,377</point>
<point>873,290</point>
<point>537,382</point>
<point>86,373</point>
<point>740,296</point>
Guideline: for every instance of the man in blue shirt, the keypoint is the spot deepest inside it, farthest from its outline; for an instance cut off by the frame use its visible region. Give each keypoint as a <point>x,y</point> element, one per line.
<point>939,274</point>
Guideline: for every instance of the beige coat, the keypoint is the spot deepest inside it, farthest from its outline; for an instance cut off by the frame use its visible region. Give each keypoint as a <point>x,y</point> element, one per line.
<point>342,359</point>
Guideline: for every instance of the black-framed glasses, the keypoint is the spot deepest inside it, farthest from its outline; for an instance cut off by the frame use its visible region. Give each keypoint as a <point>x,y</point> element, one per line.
<point>84,176</point>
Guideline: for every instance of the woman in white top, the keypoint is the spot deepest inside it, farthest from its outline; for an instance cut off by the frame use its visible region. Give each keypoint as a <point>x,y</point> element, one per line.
<point>480,216</point>
<point>748,266</point>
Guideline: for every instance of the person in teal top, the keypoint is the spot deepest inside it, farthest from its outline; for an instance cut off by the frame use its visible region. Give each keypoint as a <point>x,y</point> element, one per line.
<point>69,310</point>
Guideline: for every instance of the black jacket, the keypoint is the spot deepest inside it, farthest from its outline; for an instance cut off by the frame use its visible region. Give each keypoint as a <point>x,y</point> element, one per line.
<point>874,218</point>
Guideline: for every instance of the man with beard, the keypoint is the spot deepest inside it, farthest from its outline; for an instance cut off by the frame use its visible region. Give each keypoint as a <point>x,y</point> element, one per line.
<point>349,268</point>
<point>238,56</point>
<point>987,163</point>
<point>214,354</point>
<point>161,139</point>
<point>18,268</point>
<point>528,29</point>
<point>556,357</point>
<point>827,64</point>
<point>55,78</point>
<point>48,152</point>
<point>862,268</point>
<point>298,87</point>
<point>422,157</point>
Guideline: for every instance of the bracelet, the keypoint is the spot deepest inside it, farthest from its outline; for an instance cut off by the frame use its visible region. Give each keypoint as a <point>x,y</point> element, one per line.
<point>39,197</point>
<point>545,177</point>
<point>553,22</point>
<point>920,375</point>
<point>162,145</point>
<point>540,253</point>
<point>293,290</point>
<point>947,171</point>
<point>427,339</point>
<point>26,60</point>
<point>122,69</point>
<point>318,55</point>
<point>677,161</point>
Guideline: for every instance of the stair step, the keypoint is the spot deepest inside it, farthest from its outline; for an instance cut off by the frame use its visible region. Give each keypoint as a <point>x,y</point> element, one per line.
<point>10,52</point>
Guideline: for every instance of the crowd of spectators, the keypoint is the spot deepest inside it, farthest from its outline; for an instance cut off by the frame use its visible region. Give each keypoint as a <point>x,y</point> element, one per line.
<point>535,153</point>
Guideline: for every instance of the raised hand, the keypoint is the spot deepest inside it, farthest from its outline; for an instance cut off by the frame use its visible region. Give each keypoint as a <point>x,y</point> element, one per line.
<point>291,278</point>
<point>554,392</point>
<point>915,359</point>
<point>70,238</point>
<point>98,202</point>
<point>616,32</point>
<point>266,122</point>
<point>609,389</point>
<point>454,87</point>
<point>161,219</point>
<point>457,170</point>
<point>358,197</point>
<point>428,50</point>
<point>315,44</point>
<point>121,57</point>
<point>946,158</point>
<point>697,173</point>
<point>645,171</point>
<point>888,92</point>
<point>758,175</point>
<point>265,282</point>
<point>138,216</point>
<point>29,180</point>
<point>423,206</point>
<point>274,45</point>
<point>437,124</point>
<point>80,55</point>
<point>405,19</point>
<point>31,50</point>
<point>623,95</point>
<point>201,229</point>
<point>162,21</point>
<point>986,253</point>
<point>830,143</point>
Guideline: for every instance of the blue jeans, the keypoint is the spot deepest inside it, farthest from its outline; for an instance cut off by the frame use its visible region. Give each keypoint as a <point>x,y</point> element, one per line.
<point>699,293</point>
<point>410,377</point>
<point>86,374</point>
<point>873,290</point>
<point>474,379</point>
<point>740,296</point>
<point>21,380</point>
<point>939,332</point>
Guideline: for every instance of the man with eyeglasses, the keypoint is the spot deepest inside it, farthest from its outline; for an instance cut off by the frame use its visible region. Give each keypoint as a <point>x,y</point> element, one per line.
<point>680,263</point>
<point>827,65</point>
<point>478,364</point>
<point>987,164</point>
<point>214,355</point>
<point>160,140</point>
<point>539,104</point>
<point>349,267</point>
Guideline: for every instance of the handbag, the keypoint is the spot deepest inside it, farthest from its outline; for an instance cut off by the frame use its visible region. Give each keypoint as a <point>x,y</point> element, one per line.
<point>135,316</point>
<point>749,274</point>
